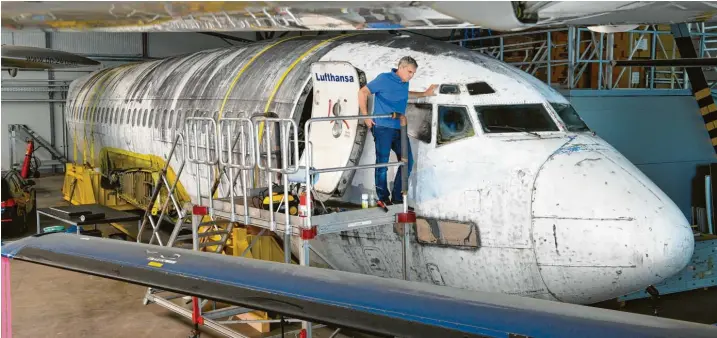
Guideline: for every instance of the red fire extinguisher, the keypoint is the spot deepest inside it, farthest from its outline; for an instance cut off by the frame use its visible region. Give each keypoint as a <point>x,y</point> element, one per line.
<point>25,171</point>
<point>303,207</point>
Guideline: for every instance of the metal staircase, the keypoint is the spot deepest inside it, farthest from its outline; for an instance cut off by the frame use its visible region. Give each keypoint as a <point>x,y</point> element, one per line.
<point>15,129</point>
<point>190,231</point>
<point>224,153</point>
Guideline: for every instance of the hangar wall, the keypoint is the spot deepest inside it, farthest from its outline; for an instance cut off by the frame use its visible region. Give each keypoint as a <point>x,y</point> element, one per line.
<point>26,98</point>
<point>660,131</point>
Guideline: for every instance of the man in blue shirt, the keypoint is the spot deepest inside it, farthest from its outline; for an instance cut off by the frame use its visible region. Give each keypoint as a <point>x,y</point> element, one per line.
<point>391,90</point>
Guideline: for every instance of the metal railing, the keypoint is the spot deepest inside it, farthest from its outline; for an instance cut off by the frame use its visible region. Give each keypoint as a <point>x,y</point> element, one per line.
<point>285,125</point>
<point>585,48</point>
<point>309,157</point>
<point>245,139</point>
<point>210,138</point>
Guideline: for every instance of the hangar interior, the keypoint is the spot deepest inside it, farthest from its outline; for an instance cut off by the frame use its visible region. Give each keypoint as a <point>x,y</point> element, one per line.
<point>643,114</point>
<point>650,114</point>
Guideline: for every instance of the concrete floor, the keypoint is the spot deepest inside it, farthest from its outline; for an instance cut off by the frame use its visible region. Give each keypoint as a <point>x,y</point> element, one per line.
<point>49,302</point>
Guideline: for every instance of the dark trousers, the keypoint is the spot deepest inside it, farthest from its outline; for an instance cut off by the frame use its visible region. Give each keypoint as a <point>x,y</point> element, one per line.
<point>388,139</point>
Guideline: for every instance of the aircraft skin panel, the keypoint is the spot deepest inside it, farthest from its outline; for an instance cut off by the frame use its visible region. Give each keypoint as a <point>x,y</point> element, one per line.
<point>483,183</point>
<point>378,252</point>
<point>372,304</point>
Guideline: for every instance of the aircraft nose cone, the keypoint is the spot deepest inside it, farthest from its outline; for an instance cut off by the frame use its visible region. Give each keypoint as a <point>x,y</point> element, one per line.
<point>601,228</point>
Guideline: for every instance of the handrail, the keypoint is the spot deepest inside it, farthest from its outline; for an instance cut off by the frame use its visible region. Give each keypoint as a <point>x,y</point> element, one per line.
<point>230,139</point>
<point>285,125</point>
<point>193,121</point>
<point>309,157</point>
<point>247,147</point>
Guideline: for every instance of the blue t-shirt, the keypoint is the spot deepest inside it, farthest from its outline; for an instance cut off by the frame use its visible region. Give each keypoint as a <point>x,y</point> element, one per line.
<point>391,96</point>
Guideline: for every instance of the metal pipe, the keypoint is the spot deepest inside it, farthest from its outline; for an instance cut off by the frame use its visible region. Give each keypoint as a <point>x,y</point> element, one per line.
<point>601,51</point>
<point>510,34</point>
<point>13,138</point>
<point>404,160</point>
<point>51,96</point>
<point>34,80</point>
<point>356,167</point>
<point>64,130</point>
<point>610,57</point>
<point>652,56</point>
<point>685,62</point>
<point>12,85</point>
<point>284,166</point>
<point>571,57</point>
<point>550,57</point>
<point>57,70</point>
<point>34,91</point>
<point>32,100</point>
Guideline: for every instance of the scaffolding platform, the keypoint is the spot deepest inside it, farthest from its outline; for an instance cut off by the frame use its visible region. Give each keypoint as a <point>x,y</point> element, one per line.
<point>236,160</point>
<point>350,218</point>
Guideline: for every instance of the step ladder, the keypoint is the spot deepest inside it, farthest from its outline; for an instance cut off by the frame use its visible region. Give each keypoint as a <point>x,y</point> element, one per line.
<point>188,225</point>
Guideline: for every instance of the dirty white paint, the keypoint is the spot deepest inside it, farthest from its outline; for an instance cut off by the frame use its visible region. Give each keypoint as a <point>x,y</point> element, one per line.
<point>559,216</point>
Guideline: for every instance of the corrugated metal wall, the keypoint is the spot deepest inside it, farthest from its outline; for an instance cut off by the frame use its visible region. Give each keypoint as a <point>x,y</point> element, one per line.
<point>100,43</point>
<point>34,39</point>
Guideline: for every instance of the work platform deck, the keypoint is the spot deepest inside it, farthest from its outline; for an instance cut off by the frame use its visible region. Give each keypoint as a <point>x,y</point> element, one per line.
<point>352,218</point>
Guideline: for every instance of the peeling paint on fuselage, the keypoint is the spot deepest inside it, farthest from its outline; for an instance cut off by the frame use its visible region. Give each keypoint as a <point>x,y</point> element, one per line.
<point>557,214</point>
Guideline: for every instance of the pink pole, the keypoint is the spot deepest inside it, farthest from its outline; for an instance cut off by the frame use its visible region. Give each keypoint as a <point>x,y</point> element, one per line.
<point>6,303</point>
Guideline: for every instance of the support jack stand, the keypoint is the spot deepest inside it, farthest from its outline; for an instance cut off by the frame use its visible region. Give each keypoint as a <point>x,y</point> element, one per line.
<point>196,318</point>
<point>655,297</point>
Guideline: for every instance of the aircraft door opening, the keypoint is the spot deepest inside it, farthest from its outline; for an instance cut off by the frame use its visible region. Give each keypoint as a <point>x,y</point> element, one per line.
<point>335,143</point>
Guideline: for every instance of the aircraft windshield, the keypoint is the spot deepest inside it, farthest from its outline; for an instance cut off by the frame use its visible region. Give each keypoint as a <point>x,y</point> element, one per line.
<point>515,118</point>
<point>454,124</point>
<point>570,117</point>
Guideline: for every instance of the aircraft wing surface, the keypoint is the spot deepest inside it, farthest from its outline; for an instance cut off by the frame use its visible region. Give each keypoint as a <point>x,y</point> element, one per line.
<point>147,16</point>
<point>376,305</point>
<point>42,58</point>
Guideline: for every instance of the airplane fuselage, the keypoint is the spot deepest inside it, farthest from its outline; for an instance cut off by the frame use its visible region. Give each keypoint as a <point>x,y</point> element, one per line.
<point>553,213</point>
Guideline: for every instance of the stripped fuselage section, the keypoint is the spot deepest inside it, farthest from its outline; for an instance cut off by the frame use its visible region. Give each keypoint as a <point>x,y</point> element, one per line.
<point>557,214</point>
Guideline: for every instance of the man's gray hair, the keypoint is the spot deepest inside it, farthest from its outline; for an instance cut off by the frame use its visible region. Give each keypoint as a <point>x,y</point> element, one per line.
<point>406,61</point>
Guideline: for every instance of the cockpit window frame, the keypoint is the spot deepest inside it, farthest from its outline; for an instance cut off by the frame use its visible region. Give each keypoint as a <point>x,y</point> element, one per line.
<point>435,128</point>
<point>562,123</point>
<point>551,114</point>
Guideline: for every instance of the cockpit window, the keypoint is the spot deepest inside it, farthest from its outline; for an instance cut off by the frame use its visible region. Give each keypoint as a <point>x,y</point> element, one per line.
<point>450,89</point>
<point>478,88</point>
<point>570,117</point>
<point>453,124</point>
<point>515,118</point>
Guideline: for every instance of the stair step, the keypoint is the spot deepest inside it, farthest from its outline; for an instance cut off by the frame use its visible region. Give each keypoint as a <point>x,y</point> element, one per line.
<point>226,312</point>
<point>213,243</point>
<point>203,234</point>
<point>183,245</point>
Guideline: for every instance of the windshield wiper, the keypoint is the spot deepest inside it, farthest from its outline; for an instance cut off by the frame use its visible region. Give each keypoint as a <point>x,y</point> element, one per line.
<point>516,129</point>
